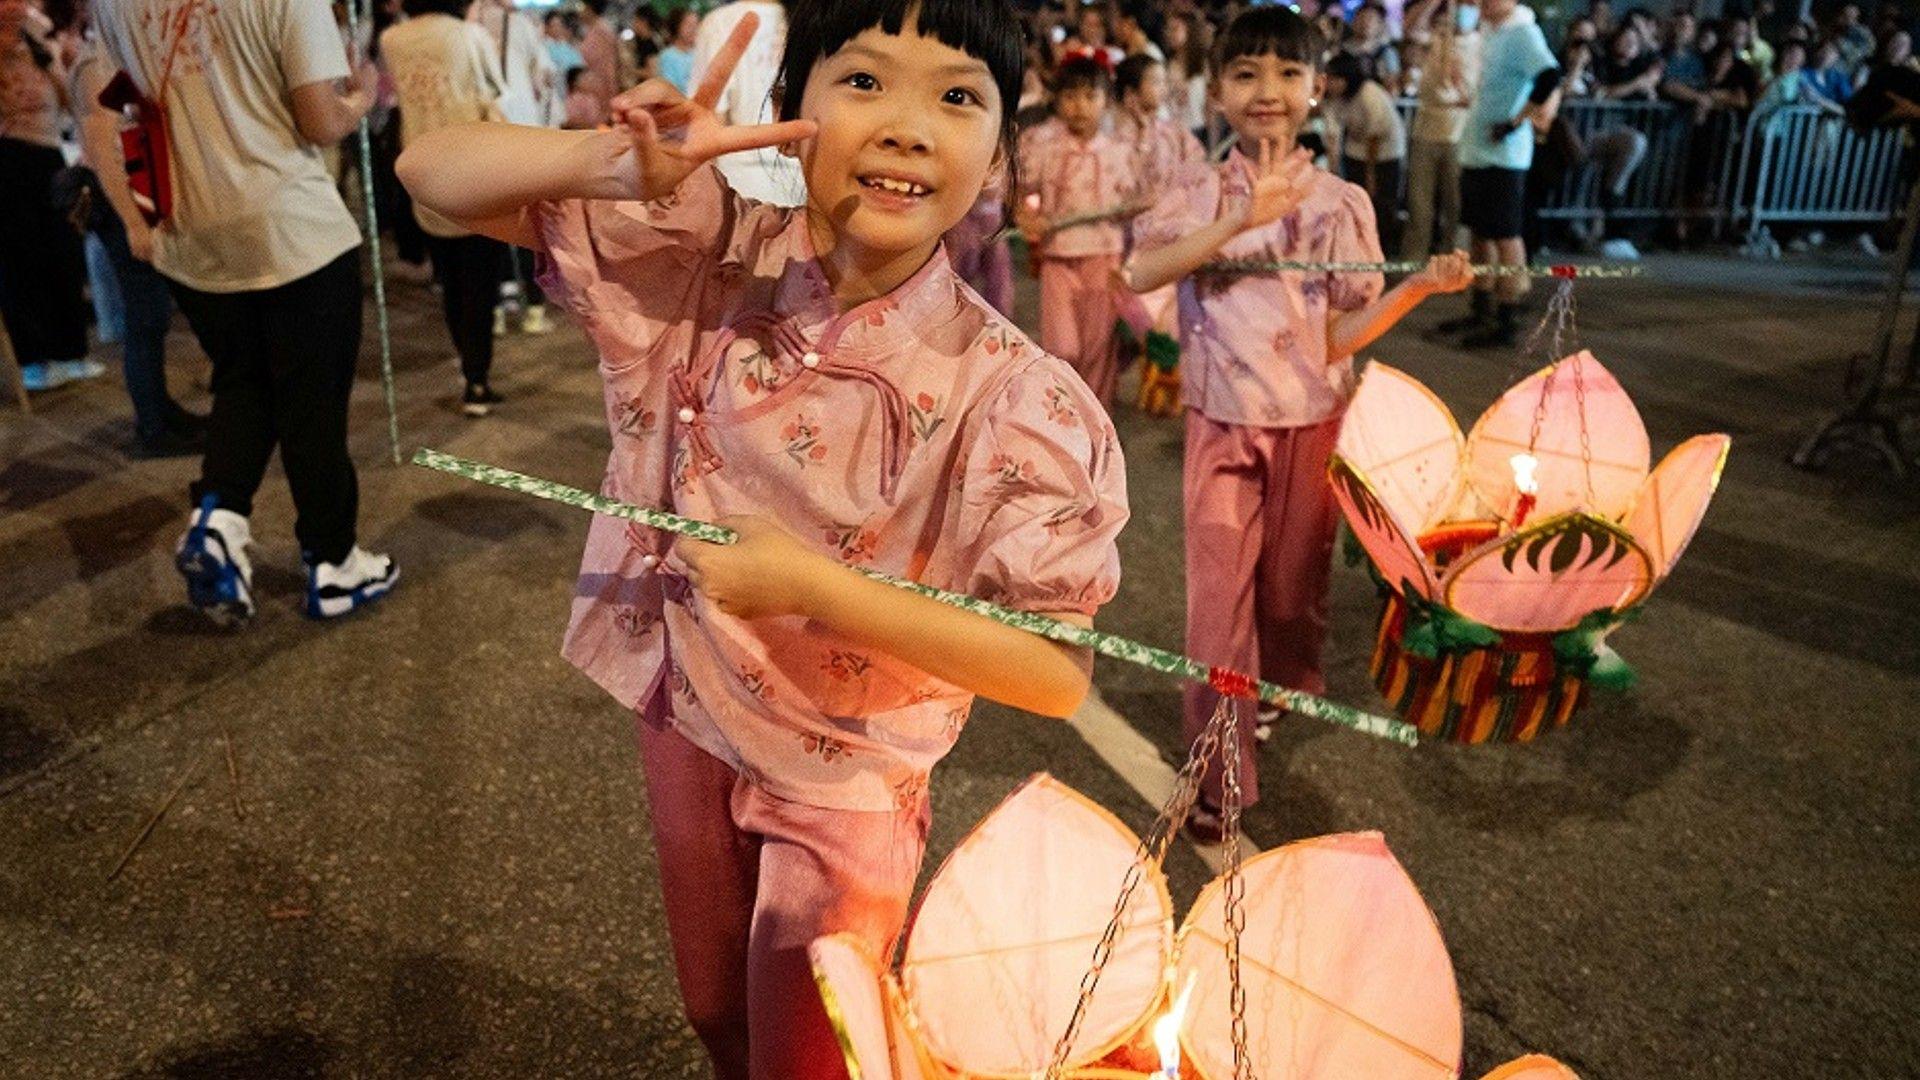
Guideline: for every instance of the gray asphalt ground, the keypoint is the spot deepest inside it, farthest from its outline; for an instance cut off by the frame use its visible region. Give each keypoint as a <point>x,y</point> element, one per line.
<point>435,862</point>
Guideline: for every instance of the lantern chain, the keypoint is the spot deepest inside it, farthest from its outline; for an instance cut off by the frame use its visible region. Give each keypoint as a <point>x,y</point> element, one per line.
<point>1233,895</point>
<point>1151,852</point>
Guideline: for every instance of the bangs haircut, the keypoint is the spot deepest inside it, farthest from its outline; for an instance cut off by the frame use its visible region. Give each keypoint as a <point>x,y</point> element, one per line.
<point>1082,73</point>
<point>986,30</point>
<point>1278,32</point>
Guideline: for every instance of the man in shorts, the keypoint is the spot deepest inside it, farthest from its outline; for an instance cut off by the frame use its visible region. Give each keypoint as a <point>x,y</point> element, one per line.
<point>1519,80</point>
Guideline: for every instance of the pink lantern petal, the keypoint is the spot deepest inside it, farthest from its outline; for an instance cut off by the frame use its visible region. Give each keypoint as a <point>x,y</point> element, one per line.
<point>1381,532</point>
<point>1344,969</point>
<point>1674,499</point>
<point>1549,575</point>
<point>910,1058</point>
<point>1532,1067</point>
<point>856,1004</point>
<point>1008,927</point>
<point>1404,441</point>
<point>1618,441</point>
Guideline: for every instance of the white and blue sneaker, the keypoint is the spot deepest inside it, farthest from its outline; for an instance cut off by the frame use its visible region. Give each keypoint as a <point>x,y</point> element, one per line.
<point>334,589</point>
<point>212,557</point>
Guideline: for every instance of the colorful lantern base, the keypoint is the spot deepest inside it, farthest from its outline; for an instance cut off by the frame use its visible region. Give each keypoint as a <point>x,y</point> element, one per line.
<point>1508,691</point>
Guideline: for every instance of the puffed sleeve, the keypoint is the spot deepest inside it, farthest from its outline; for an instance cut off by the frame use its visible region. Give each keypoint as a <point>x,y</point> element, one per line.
<point>1354,238</point>
<point>1191,199</point>
<point>1043,494</point>
<point>1030,155</point>
<point>630,269</point>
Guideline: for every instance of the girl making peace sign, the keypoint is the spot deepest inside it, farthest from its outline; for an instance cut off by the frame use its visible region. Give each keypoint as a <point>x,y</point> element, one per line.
<point>818,378</point>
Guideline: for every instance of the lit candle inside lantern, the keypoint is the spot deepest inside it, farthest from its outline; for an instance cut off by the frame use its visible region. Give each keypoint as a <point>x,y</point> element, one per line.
<point>1166,1034</point>
<point>1524,482</point>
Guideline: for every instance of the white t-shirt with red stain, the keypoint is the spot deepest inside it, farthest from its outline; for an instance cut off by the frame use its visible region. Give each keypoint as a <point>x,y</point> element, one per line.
<point>254,206</point>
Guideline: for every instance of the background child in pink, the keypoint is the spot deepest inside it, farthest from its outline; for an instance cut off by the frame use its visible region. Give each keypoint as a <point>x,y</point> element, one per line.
<point>1267,368</point>
<point>820,379</point>
<point>1070,166</point>
<point>1162,147</point>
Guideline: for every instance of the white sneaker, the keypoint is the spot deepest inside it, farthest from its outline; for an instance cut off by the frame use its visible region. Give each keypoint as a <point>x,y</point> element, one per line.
<point>1866,245</point>
<point>212,557</point>
<point>75,370</point>
<point>535,320</point>
<point>1619,250</point>
<point>334,589</point>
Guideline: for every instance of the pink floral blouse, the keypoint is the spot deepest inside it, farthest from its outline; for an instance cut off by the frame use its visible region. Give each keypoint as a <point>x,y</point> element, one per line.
<point>918,434</point>
<point>1072,176</point>
<point>1253,348</point>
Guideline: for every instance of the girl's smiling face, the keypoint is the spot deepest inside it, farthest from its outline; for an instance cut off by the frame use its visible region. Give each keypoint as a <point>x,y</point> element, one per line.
<point>1267,98</point>
<point>910,128</point>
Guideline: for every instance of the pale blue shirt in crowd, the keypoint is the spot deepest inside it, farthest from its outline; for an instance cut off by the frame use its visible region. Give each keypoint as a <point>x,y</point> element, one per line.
<point>1512,56</point>
<point>676,66</point>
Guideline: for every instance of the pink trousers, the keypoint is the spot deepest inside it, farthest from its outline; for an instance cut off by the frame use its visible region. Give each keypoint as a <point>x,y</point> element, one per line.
<point>1078,306</point>
<point>749,881</point>
<point>1260,526</point>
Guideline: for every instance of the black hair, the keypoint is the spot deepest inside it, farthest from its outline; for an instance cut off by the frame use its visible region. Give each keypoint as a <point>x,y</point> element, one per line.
<point>416,8</point>
<point>1131,73</point>
<point>1082,73</point>
<point>1354,70</point>
<point>573,77</point>
<point>1270,31</point>
<point>986,30</point>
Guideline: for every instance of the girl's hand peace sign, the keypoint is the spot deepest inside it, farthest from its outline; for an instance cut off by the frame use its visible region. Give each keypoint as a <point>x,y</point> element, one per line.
<point>1279,185</point>
<point>673,134</point>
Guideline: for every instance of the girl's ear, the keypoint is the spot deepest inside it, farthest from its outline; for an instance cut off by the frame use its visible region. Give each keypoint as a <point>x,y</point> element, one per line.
<point>1319,86</point>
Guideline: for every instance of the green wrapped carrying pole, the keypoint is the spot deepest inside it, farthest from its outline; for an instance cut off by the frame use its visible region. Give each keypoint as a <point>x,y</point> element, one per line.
<point>1232,683</point>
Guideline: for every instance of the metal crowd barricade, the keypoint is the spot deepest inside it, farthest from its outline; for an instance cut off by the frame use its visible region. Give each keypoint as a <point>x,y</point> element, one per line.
<point>1804,163</point>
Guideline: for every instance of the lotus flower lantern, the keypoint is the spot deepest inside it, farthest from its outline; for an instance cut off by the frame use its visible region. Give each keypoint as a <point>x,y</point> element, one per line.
<point>1343,967</point>
<point>1509,553</point>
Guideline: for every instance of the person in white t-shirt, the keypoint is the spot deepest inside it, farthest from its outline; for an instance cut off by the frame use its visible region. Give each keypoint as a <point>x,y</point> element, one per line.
<point>263,257</point>
<point>534,95</point>
<point>1373,140</point>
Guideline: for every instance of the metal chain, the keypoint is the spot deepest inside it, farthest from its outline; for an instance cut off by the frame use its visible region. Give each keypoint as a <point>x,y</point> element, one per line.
<point>1152,852</point>
<point>1233,893</point>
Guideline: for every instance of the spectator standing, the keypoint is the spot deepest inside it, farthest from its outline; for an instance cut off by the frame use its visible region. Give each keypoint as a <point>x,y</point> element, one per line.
<point>528,96</point>
<point>1095,36</point>
<point>264,260</point>
<point>1851,37</point>
<point>1433,154</point>
<point>763,175</point>
<point>447,75</point>
<point>563,48</point>
<point>530,91</point>
<point>676,60</point>
<point>1518,93</point>
<point>1132,31</point>
<point>1371,40</point>
<point>600,52</point>
<point>1373,141</point>
<point>161,427</point>
<point>1826,79</point>
<point>1630,70</point>
<point>43,266</point>
<point>1187,46</point>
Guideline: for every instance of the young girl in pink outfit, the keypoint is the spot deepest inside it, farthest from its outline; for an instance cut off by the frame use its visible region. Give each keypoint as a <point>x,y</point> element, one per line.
<point>1161,147</point>
<point>1267,367</point>
<point>1069,166</point>
<point>818,378</point>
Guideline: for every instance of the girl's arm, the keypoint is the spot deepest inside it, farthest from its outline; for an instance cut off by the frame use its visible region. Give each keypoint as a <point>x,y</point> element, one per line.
<point>484,176</point>
<point>768,573</point>
<point>1350,331</point>
<point>1278,189</point>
